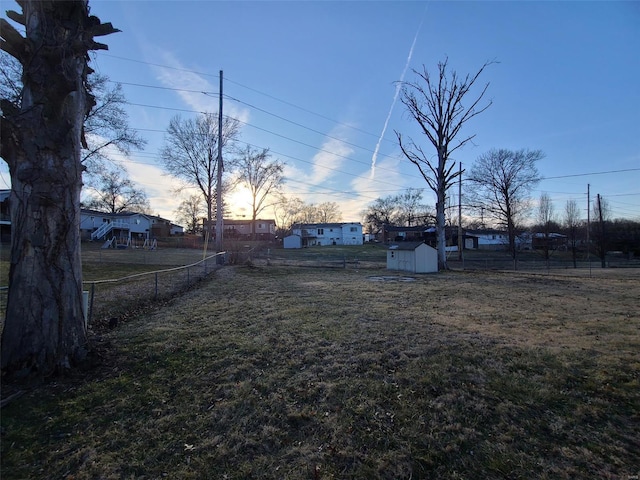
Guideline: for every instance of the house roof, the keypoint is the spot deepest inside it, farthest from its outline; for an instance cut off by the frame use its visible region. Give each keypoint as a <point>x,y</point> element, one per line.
<point>550,235</point>
<point>406,245</point>
<point>324,225</point>
<point>235,221</point>
<point>396,228</point>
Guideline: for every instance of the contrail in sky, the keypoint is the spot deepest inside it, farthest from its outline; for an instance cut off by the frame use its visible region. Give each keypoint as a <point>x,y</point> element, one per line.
<point>374,157</point>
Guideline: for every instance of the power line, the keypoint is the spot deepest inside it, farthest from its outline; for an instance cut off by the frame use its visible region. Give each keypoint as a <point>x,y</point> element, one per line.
<point>161,66</point>
<point>285,102</point>
<point>283,137</point>
<point>593,173</point>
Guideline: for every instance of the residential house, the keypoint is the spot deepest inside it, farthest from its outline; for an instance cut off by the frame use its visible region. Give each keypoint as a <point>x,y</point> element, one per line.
<point>319,234</point>
<point>428,234</point>
<point>243,229</point>
<point>490,239</point>
<point>551,241</point>
<point>125,227</point>
<point>5,217</point>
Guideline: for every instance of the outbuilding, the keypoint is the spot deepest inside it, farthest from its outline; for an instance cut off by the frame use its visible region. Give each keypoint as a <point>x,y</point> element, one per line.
<point>292,241</point>
<point>414,257</point>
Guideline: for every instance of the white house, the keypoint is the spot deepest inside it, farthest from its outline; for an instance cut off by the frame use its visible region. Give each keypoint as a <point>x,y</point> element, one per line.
<point>414,257</point>
<point>489,239</point>
<point>317,234</point>
<point>125,226</point>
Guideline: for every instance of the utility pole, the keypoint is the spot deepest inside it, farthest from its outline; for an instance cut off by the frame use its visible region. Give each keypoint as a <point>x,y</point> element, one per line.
<point>460,243</point>
<point>589,226</point>
<point>219,210</point>
<point>601,247</point>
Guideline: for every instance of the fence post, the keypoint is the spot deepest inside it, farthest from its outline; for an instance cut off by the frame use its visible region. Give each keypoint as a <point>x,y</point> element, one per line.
<point>90,314</point>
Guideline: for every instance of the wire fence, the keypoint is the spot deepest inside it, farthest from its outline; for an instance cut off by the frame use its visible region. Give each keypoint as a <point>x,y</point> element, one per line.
<point>109,300</point>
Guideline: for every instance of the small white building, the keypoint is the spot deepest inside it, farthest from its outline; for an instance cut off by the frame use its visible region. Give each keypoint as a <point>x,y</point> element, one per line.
<point>292,241</point>
<point>414,257</point>
<point>318,234</point>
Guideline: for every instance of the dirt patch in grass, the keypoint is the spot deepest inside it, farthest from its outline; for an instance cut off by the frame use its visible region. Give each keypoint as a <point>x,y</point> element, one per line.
<point>295,373</point>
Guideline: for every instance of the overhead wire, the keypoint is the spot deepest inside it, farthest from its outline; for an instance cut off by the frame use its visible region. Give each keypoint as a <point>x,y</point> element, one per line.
<point>206,93</point>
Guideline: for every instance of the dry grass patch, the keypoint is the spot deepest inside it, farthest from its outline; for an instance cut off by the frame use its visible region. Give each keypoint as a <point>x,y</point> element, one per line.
<point>300,373</point>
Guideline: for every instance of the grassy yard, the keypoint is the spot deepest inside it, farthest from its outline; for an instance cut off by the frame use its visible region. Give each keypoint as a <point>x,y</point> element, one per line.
<point>311,373</point>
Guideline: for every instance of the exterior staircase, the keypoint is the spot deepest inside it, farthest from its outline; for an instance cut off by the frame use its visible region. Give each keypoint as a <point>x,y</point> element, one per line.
<point>105,228</point>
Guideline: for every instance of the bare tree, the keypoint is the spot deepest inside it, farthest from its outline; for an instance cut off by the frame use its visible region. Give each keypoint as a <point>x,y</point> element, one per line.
<point>328,212</point>
<point>262,176</point>
<point>501,182</point>
<point>190,213</point>
<point>116,193</point>
<point>438,106</point>
<point>379,214</point>
<point>601,214</point>
<point>403,209</point>
<point>572,224</point>
<point>546,217</point>
<point>106,127</point>
<point>10,79</point>
<point>287,212</point>
<point>41,140</point>
<point>292,211</point>
<point>190,152</point>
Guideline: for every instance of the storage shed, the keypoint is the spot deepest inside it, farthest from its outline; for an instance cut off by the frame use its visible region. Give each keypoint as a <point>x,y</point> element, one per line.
<point>414,257</point>
<point>292,241</point>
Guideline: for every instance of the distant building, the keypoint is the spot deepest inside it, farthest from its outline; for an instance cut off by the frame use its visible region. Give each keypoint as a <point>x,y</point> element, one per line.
<point>125,226</point>
<point>551,241</point>
<point>319,234</point>
<point>95,225</point>
<point>5,217</point>
<point>243,229</point>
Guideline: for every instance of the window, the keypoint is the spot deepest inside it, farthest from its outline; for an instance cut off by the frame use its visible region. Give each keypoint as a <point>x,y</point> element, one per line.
<point>353,229</point>
<point>321,231</point>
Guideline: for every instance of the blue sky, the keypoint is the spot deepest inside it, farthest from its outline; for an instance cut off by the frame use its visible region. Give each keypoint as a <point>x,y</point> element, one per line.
<point>315,82</point>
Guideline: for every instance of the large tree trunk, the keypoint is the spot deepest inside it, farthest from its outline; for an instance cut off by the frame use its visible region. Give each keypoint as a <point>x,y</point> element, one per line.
<point>441,234</point>
<point>44,328</point>
<point>441,195</point>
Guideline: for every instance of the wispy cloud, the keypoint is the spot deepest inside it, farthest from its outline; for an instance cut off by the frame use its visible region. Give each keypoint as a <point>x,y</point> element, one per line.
<point>329,159</point>
<point>366,189</point>
<point>158,186</point>
<point>196,90</point>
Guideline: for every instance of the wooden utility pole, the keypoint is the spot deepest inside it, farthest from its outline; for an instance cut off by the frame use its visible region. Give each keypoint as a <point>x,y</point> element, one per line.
<point>589,226</point>
<point>219,209</point>
<point>460,243</point>
<point>602,249</point>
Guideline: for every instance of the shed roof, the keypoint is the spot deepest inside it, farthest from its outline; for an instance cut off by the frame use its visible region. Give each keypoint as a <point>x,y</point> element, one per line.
<point>405,245</point>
